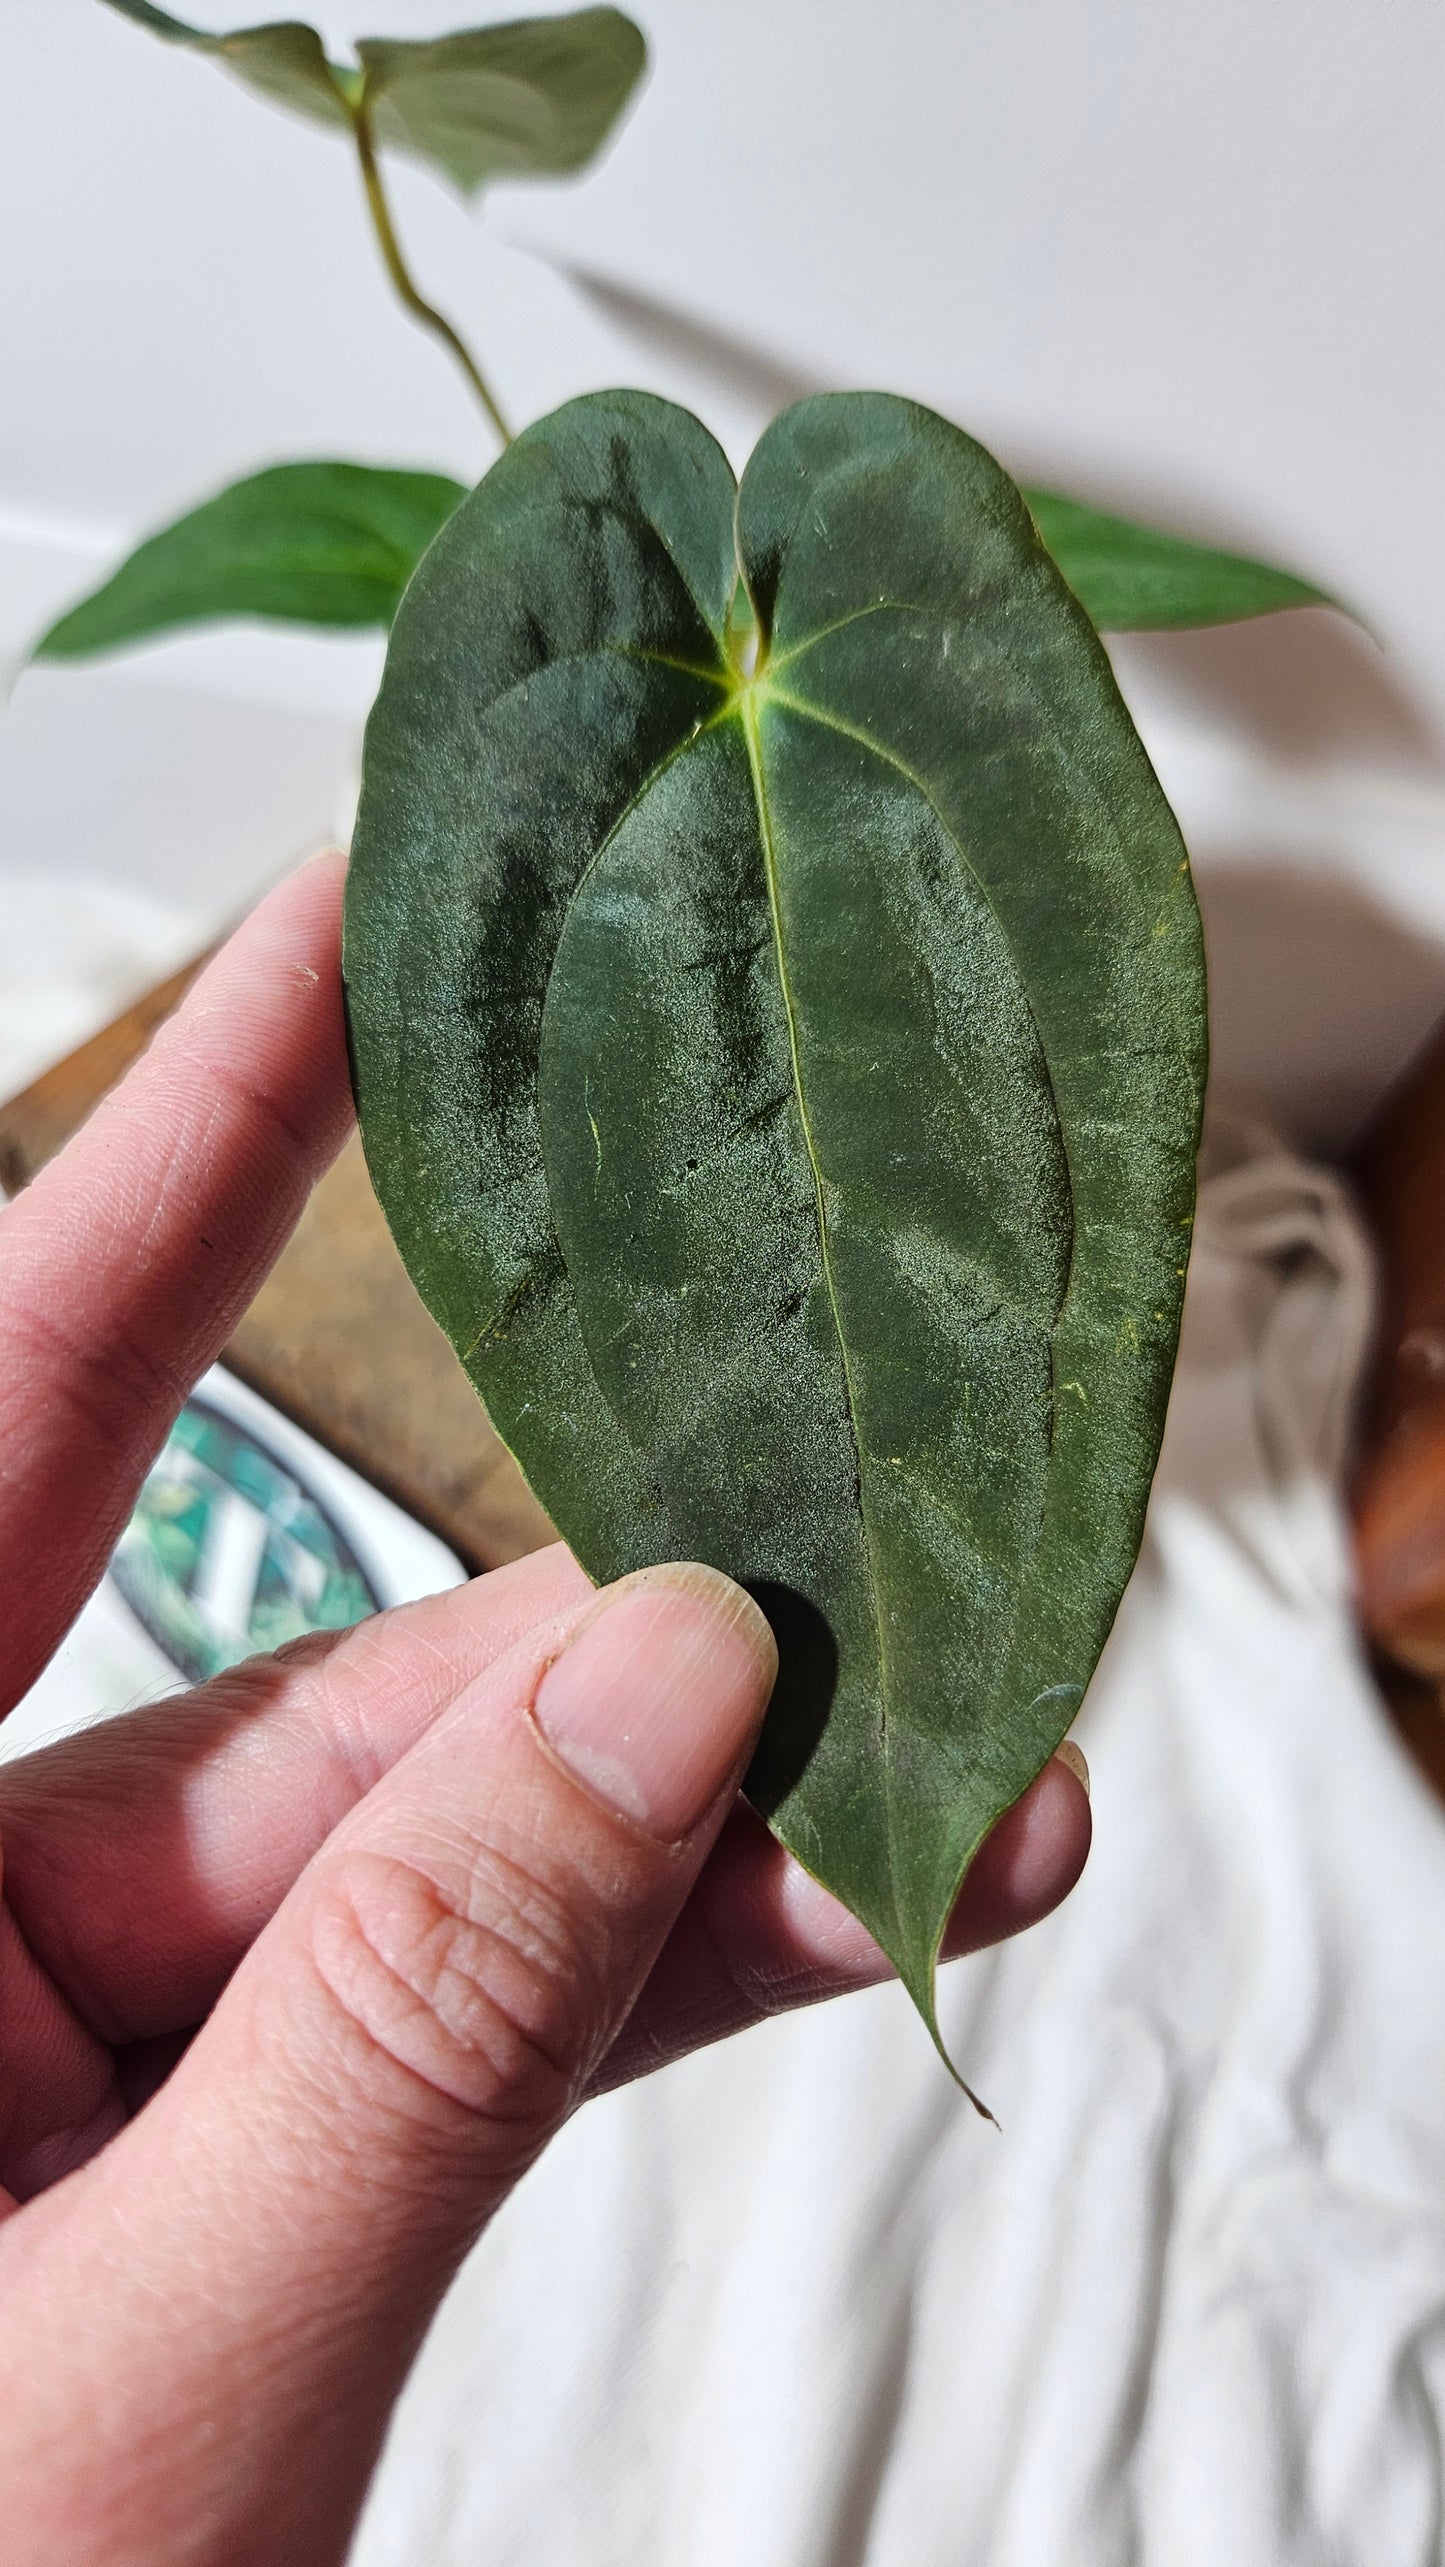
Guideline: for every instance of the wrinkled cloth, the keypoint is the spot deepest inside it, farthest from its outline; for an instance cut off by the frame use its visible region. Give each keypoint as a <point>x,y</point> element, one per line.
<point>791,2304</point>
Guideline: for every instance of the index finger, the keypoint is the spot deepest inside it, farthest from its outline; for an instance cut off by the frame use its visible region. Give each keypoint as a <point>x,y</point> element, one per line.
<point>125,1266</point>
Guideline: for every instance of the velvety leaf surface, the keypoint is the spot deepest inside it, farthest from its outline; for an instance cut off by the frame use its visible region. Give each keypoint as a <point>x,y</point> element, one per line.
<point>785,1089</point>
<point>306,543</point>
<point>1135,579</point>
<point>532,99</point>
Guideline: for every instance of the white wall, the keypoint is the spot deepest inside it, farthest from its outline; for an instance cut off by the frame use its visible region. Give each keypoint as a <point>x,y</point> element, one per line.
<point>1189,259</point>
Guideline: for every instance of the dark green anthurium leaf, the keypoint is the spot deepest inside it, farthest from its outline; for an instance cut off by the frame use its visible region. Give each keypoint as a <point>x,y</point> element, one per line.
<point>305,543</point>
<point>1135,579</point>
<point>533,98</point>
<point>784,1086</point>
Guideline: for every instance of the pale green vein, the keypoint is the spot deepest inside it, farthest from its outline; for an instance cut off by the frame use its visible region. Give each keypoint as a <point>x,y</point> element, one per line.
<point>859,615</point>
<point>593,657</point>
<point>686,668</point>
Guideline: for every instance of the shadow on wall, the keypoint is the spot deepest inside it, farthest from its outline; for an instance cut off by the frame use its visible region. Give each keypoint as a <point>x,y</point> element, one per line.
<point>1304,689</point>
<point>1318,995</point>
<point>1310,789</point>
<point>750,373</point>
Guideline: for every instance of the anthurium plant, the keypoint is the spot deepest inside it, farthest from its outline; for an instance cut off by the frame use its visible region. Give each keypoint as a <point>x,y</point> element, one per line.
<point>776,989</point>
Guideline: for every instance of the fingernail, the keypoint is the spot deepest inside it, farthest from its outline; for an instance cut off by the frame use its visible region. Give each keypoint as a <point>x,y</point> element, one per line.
<point>657,1701</point>
<point>1076,1761</point>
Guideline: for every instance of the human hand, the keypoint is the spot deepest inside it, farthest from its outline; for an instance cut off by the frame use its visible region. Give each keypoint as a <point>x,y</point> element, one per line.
<point>299,1971</point>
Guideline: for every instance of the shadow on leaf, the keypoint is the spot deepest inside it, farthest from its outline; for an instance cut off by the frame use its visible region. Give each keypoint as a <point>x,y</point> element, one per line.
<point>802,1697</point>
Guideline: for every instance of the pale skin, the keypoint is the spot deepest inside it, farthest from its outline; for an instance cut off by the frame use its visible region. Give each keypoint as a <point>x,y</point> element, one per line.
<point>301,1971</point>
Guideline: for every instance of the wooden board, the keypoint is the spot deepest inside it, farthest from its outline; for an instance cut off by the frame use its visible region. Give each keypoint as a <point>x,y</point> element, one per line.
<point>336,1338</point>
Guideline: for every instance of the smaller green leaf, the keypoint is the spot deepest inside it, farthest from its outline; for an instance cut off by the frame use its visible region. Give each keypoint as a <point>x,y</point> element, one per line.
<point>1134,579</point>
<point>531,99</point>
<point>285,61</point>
<point>303,543</point>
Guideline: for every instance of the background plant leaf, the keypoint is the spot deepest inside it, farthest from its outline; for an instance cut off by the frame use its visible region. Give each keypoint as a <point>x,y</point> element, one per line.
<point>1134,578</point>
<point>785,1091</point>
<point>284,61</point>
<point>532,99</point>
<point>305,543</point>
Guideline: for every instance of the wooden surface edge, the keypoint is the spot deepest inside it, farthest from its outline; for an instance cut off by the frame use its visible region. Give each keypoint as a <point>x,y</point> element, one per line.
<point>337,1338</point>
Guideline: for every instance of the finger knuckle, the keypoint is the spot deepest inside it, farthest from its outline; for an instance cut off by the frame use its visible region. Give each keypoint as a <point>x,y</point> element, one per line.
<point>472,1978</point>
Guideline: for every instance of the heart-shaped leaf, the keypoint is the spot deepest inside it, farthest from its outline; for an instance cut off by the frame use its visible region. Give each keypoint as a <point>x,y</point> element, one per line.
<point>784,1086</point>
<point>1135,579</point>
<point>533,98</point>
<point>305,543</point>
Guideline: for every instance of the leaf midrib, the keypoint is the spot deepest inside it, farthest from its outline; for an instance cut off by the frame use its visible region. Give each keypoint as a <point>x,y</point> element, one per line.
<point>742,703</point>
<point>746,707</point>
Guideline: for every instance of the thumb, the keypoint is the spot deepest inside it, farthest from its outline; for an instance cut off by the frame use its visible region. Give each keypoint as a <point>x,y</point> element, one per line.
<point>261,2249</point>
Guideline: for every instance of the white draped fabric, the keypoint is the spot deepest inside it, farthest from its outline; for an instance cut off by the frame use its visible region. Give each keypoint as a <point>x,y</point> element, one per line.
<point>790,2304</point>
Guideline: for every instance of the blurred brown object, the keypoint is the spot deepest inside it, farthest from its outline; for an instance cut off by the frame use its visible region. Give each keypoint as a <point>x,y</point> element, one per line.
<point>336,1338</point>
<point>1399,1499</point>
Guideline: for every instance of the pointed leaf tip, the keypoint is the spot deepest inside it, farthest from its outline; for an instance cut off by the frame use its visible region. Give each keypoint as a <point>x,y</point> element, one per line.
<point>1132,578</point>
